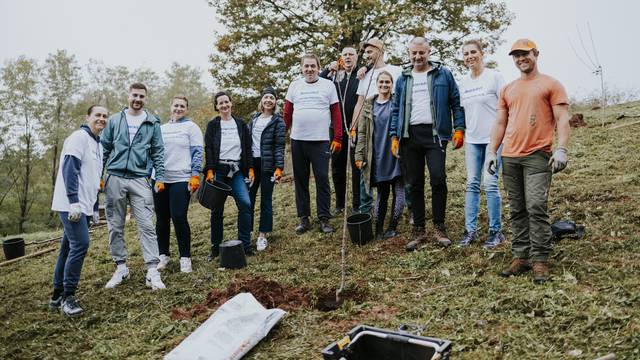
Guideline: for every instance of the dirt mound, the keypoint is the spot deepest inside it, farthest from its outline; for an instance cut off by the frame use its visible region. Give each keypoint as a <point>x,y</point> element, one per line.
<point>269,293</point>
<point>326,300</point>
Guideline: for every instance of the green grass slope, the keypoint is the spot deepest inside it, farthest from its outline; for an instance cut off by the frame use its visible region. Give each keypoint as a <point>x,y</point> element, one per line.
<point>590,308</point>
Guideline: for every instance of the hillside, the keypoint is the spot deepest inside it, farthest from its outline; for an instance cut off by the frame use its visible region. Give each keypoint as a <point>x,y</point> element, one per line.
<point>590,308</point>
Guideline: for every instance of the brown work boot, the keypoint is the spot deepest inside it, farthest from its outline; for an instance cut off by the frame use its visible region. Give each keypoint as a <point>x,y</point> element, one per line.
<point>517,267</point>
<point>440,235</point>
<point>540,272</point>
<point>417,239</point>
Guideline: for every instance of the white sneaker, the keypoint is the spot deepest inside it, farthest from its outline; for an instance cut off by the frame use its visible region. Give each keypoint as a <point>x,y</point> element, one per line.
<point>153,280</point>
<point>261,243</point>
<point>185,264</point>
<point>164,261</point>
<point>121,274</point>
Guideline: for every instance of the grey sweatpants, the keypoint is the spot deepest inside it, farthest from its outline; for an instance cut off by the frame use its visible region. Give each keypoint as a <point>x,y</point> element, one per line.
<point>139,194</point>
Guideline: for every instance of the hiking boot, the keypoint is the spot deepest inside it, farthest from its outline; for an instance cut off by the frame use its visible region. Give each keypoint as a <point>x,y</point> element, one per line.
<point>467,239</point>
<point>390,233</point>
<point>304,225</point>
<point>261,243</point>
<point>121,274</point>
<point>153,280</point>
<point>55,303</point>
<point>70,307</point>
<point>185,265</point>
<point>164,261</point>
<point>325,227</point>
<point>215,251</point>
<point>494,239</point>
<point>540,272</point>
<point>440,235</point>
<point>417,239</point>
<point>517,267</point>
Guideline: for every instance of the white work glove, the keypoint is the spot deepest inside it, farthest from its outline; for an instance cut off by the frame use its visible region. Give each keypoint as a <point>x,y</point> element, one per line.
<point>558,160</point>
<point>492,162</point>
<point>74,212</point>
<point>96,218</point>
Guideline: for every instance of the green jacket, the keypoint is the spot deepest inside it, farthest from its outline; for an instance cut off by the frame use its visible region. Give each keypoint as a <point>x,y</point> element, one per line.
<point>136,159</point>
<point>364,145</point>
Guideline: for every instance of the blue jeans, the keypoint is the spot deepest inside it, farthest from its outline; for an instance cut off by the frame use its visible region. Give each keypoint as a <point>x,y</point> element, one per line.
<point>73,249</point>
<point>264,183</point>
<point>477,174</point>
<point>240,193</point>
<point>366,198</point>
<point>172,205</point>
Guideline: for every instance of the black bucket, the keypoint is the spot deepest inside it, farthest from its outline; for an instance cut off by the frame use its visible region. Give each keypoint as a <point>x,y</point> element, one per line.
<point>13,248</point>
<point>360,230</point>
<point>213,195</point>
<point>232,255</point>
<point>369,343</point>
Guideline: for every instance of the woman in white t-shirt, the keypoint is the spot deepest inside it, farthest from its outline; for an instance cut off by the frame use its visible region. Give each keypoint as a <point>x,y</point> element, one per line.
<point>227,145</point>
<point>183,143</point>
<point>267,138</point>
<point>75,198</point>
<point>479,92</point>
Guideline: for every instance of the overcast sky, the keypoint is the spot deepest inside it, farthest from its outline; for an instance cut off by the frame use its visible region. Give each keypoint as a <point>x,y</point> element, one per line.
<point>155,33</point>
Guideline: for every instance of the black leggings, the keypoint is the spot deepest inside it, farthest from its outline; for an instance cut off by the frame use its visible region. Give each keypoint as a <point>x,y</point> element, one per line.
<point>397,205</point>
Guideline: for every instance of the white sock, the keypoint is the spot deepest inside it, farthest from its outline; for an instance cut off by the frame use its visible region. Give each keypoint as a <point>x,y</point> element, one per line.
<point>122,267</point>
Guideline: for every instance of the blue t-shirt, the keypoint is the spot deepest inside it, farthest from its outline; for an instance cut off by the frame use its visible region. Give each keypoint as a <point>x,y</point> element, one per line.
<point>386,166</point>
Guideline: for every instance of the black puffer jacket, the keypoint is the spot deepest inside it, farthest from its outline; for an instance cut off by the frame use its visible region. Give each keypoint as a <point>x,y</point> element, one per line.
<point>271,142</point>
<point>212,145</point>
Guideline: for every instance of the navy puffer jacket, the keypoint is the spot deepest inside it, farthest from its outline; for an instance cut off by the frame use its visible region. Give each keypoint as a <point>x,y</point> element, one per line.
<point>271,142</point>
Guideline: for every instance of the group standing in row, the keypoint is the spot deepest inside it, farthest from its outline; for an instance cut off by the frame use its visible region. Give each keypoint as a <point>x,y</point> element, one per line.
<point>392,121</point>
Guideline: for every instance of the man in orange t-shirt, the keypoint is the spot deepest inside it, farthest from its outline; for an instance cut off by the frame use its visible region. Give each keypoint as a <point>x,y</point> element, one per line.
<point>529,110</point>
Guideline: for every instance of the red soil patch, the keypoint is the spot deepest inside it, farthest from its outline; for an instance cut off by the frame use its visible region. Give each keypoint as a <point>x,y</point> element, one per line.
<point>269,293</point>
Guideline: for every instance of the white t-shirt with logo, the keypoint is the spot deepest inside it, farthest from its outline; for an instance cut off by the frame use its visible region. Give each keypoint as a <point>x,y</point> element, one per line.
<point>420,99</point>
<point>230,147</point>
<point>178,138</point>
<point>368,90</point>
<point>311,108</point>
<point>84,147</point>
<point>258,127</point>
<point>134,122</point>
<point>479,97</point>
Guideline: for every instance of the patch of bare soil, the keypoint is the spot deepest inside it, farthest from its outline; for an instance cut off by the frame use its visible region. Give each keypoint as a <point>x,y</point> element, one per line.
<point>269,293</point>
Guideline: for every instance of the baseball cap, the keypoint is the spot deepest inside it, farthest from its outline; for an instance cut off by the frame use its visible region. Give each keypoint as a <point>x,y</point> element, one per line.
<point>375,42</point>
<point>523,44</point>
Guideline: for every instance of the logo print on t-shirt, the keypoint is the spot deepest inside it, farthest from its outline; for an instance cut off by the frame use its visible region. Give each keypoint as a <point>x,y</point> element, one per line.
<point>532,120</point>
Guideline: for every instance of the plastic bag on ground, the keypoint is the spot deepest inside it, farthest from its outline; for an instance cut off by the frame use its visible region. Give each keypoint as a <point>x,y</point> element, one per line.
<point>231,331</point>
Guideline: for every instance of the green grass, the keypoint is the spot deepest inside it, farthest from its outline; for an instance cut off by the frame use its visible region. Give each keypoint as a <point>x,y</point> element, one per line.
<point>591,305</point>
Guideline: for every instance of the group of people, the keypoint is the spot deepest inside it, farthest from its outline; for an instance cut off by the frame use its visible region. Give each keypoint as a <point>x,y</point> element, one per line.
<point>393,121</point>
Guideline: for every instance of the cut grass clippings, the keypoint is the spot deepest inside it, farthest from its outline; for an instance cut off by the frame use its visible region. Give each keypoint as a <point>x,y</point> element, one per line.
<point>590,308</point>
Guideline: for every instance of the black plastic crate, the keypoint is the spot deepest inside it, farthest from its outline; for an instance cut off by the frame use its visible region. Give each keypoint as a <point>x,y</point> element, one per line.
<point>369,343</point>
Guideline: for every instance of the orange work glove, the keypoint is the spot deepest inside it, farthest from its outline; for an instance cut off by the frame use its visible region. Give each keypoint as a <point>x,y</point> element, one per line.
<point>194,183</point>
<point>209,177</point>
<point>395,146</point>
<point>252,177</point>
<point>336,146</point>
<point>359,164</point>
<point>277,174</point>
<point>159,186</point>
<point>458,139</point>
<point>353,133</point>
<point>101,185</point>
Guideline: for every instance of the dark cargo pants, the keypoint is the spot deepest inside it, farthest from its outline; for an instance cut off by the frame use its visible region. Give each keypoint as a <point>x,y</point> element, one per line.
<point>527,180</point>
